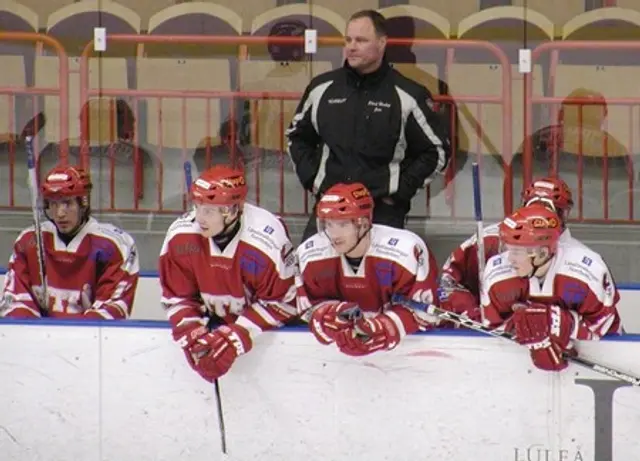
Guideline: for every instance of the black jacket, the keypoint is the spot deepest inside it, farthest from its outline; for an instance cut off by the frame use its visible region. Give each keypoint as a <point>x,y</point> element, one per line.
<point>378,129</point>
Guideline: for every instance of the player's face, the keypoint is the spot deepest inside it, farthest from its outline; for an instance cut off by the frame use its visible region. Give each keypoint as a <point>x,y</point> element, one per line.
<point>213,219</point>
<point>523,258</point>
<point>343,233</point>
<point>363,48</point>
<point>65,213</point>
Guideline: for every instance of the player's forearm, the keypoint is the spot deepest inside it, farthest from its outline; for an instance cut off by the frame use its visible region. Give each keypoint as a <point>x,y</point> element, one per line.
<point>262,316</point>
<point>404,320</point>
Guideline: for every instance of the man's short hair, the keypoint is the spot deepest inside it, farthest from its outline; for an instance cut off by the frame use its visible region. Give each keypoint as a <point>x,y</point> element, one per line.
<point>378,20</point>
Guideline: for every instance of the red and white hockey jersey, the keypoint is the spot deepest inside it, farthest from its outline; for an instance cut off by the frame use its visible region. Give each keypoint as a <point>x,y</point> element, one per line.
<point>250,282</point>
<point>578,280</point>
<point>397,262</point>
<point>461,268</point>
<point>96,274</point>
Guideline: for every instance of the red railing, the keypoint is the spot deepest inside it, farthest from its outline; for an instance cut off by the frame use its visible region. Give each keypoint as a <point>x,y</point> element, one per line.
<point>62,91</point>
<point>603,137</point>
<point>86,93</point>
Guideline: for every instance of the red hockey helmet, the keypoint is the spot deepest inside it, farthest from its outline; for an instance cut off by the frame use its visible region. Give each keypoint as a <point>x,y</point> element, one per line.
<point>553,191</point>
<point>65,182</point>
<point>220,185</point>
<point>345,201</point>
<point>531,226</point>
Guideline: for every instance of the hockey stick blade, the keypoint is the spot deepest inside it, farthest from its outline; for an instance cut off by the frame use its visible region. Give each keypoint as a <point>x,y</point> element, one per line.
<point>33,126</point>
<point>466,322</point>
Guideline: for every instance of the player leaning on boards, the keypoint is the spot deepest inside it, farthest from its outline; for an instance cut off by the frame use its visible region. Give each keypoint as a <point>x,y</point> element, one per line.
<point>91,267</point>
<point>353,264</point>
<point>458,291</point>
<point>366,122</point>
<point>548,291</point>
<point>226,262</point>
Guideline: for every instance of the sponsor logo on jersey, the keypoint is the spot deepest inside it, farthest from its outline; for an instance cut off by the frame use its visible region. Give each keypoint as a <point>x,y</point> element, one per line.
<point>587,261</point>
<point>308,245</point>
<point>187,248</point>
<point>392,242</point>
<point>268,230</point>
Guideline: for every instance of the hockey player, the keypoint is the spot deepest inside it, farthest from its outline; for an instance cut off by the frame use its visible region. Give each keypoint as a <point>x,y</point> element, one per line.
<point>91,267</point>
<point>458,290</point>
<point>546,291</point>
<point>352,264</point>
<point>227,262</point>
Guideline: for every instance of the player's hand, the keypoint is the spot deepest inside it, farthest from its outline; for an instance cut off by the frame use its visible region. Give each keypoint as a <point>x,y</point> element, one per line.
<point>331,318</point>
<point>459,300</point>
<point>214,354</point>
<point>546,331</point>
<point>189,330</point>
<point>368,336</point>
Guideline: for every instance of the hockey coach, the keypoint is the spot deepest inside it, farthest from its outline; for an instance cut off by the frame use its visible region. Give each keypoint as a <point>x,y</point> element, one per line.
<point>365,122</point>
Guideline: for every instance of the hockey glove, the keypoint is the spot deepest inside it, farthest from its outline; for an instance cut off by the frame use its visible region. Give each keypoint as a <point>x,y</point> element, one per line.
<point>459,300</point>
<point>368,336</point>
<point>214,354</point>
<point>546,331</point>
<point>330,318</point>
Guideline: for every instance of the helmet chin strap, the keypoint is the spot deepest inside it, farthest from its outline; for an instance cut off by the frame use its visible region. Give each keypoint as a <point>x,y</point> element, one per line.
<point>360,238</point>
<point>228,226</point>
<point>536,267</point>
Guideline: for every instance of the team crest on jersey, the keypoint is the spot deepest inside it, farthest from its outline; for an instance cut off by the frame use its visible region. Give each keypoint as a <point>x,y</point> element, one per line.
<point>607,284</point>
<point>253,262</point>
<point>418,253</point>
<point>574,293</point>
<point>384,273</point>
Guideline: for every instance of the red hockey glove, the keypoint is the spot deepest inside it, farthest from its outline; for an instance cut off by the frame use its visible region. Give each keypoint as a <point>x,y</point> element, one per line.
<point>214,354</point>
<point>188,330</point>
<point>368,336</point>
<point>331,318</point>
<point>459,300</point>
<point>546,331</point>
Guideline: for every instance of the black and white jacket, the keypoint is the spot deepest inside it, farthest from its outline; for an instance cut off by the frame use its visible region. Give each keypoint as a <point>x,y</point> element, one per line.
<point>379,129</point>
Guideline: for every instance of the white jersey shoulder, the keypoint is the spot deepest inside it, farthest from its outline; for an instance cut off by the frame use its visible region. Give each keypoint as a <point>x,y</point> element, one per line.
<point>401,246</point>
<point>122,239</point>
<point>492,230</point>
<point>497,269</point>
<point>578,261</point>
<point>315,248</point>
<point>266,232</point>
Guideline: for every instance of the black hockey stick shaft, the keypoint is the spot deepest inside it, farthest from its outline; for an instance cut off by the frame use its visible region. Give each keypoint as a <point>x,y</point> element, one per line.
<point>30,130</point>
<point>479,327</point>
<point>188,178</point>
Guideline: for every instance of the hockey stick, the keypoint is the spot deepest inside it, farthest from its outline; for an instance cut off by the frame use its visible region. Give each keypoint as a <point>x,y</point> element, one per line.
<point>28,133</point>
<point>466,322</point>
<point>188,178</point>
<point>477,208</point>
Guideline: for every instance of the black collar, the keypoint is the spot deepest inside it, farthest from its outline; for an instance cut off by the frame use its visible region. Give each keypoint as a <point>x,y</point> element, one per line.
<point>366,80</point>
